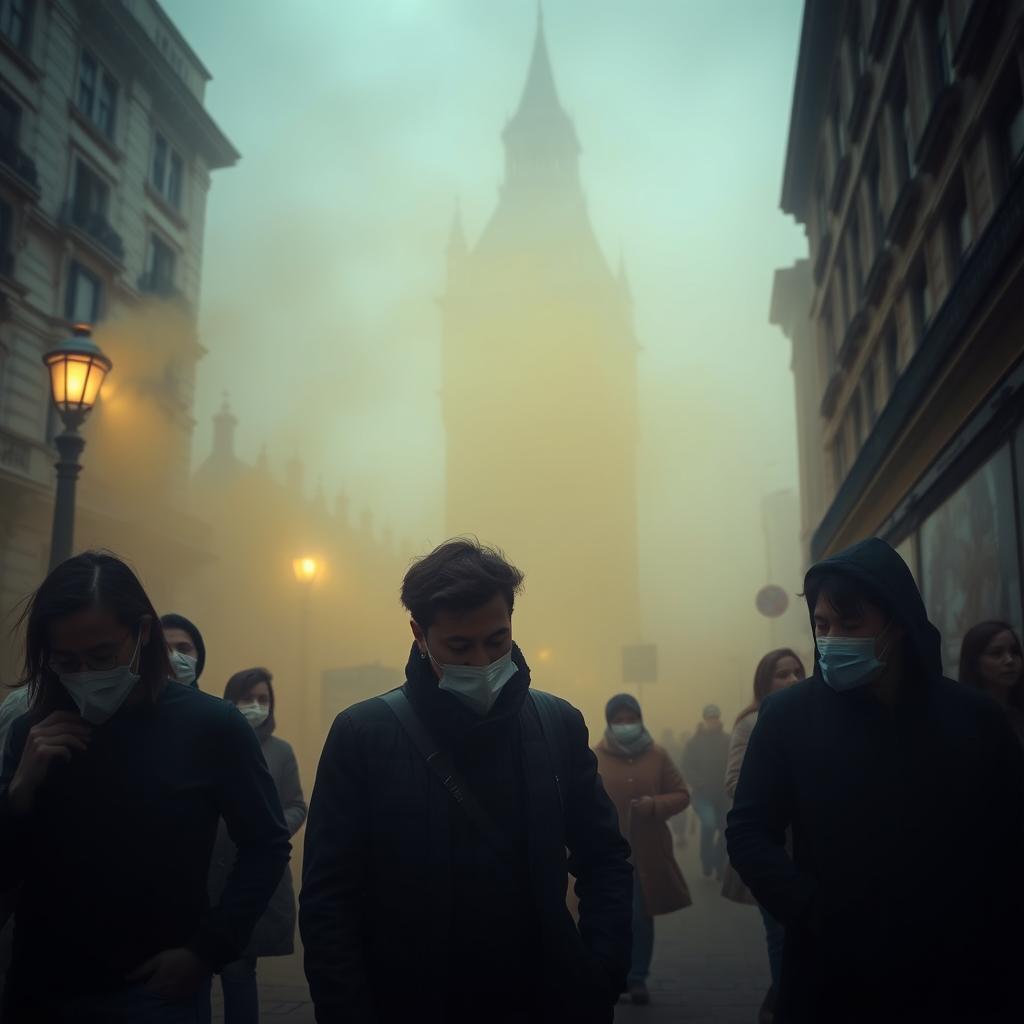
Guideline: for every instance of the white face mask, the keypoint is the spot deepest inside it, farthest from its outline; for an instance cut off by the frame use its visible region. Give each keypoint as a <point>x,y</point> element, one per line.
<point>478,687</point>
<point>255,712</point>
<point>184,666</point>
<point>99,695</point>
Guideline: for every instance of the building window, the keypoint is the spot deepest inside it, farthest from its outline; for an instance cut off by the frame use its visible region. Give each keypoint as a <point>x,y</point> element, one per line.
<point>903,130</point>
<point>942,44</point>
<point>1011,123</point>
<point>160,264</point>
<point>870,390</point>
<point>97,93</point>
<point>958,220</point>
<point>6,231</point>
<point>92,194</point>
<point>16,21</point>
<point>873,181</point>
<point>892,357</point>
<point>921,300</point>
<point>168,171</point>
<point>856,263</point>
<point>10,122</point>
<point>84,295</point>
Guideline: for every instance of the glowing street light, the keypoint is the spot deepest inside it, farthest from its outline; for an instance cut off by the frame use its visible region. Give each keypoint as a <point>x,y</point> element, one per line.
<point>77,371</point>
<point>307,568</point>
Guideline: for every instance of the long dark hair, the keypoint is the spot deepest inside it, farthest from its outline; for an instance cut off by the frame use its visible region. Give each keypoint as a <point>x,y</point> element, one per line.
<point>94,578</point>
<point>241,684</point>
<point>973,647</point>
<point>764,674</point>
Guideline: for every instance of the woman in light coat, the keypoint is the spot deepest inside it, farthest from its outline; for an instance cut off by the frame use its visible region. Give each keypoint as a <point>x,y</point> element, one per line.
<point>776,670</point>
<point>252,692</point>
<point>647,790</point>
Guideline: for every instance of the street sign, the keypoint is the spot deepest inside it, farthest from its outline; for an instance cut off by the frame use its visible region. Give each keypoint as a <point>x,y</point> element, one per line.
<point>640,663</point>
<point>772,601</point>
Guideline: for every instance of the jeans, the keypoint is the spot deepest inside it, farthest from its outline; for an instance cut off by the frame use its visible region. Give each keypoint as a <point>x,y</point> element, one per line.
<point>775,937</point>
<point>241,996</point>
<point>712,838</point>
<point>133,1006</point>
<point>643,936</point>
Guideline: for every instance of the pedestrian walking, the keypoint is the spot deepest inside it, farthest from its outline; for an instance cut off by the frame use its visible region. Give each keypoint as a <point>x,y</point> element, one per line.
<point>776,671</point>
<point>890,916</point>
<point>647,790</point>
<point>704,768</point>
<point>252,692</point>
<point>991,660</point>
<point>110,793</point>
<point>435,874</point>
<point>186,647</point>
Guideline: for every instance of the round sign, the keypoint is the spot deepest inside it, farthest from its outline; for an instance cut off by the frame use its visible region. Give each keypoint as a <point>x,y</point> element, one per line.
<point>772,601</point>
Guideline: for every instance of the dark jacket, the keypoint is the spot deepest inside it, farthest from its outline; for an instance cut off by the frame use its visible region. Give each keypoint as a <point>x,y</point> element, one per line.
<point>114,856</point>
<point>406,911</point>
<point>902,900</point>
<point>704,761</point>
<point>274,934</point>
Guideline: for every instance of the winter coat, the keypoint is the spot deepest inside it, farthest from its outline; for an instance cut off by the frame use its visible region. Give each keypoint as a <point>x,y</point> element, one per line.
<point>732,885</point>
<point>704,762</point>
<point>652,774</point>
<point>274,934</point>
<point>408,913</point>
<point>890,913</point>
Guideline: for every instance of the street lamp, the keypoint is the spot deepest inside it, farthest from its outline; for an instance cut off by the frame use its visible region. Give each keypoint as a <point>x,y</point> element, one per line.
<point>307,571</point>
<point>77,370</point>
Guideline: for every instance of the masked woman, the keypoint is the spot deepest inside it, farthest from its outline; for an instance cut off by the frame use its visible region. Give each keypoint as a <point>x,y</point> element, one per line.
<point>647,790</point>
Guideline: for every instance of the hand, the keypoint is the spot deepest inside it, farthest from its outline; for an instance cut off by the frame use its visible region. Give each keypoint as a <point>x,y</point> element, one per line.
<point>643,807</point>
<point>56,738</point>
<point>172,974</point>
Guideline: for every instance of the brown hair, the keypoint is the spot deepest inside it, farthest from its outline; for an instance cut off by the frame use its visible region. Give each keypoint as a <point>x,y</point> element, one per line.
<point>973,647</point>
<point>764,674</point>
<point>241,685</point>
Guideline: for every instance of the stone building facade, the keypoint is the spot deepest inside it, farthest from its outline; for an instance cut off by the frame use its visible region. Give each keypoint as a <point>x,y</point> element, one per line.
<point>905,164</point>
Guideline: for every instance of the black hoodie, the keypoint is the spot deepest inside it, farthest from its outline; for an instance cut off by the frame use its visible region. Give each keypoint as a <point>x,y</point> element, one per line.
<point>903,897</point>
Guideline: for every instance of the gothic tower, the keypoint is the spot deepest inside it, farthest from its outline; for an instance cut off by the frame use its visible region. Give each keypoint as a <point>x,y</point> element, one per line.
<point>539,401</point>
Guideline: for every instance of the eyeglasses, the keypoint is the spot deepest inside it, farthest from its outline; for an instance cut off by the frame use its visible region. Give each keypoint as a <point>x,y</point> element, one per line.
<point>66,664</point>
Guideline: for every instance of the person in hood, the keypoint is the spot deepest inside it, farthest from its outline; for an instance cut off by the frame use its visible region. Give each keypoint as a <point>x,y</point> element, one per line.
<point>991,660</point>
<point>252,692</point>
<point>186,648</point>
<point>644,784</point>
<point>888,915</point>
<point>704,763</point>
<point>435,891</point>
<point>110,793</point>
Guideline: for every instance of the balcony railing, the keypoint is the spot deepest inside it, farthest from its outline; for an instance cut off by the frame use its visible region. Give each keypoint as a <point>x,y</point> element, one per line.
<point>21,164</point>
<point>6,263</point>
<point>95,227</point>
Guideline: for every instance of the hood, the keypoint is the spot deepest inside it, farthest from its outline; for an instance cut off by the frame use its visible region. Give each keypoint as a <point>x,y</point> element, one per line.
<point>880,569</point>
<point>174,621</point>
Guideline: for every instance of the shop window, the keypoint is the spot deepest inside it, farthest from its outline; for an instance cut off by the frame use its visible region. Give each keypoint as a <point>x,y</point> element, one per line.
<point>970,563</point>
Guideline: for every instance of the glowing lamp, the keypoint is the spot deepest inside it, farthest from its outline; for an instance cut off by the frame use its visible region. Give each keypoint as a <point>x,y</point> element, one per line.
<point>306,569</point>
<point>77,371</point>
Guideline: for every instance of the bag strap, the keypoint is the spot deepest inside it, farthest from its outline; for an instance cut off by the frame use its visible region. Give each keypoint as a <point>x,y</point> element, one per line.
<point>552,725</point>
<point>439,762</point>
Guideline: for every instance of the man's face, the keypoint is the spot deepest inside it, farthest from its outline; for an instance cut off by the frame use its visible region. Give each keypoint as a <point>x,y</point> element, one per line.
<point>869,621</point>
<point>180,641</point>
<point>476,637</point>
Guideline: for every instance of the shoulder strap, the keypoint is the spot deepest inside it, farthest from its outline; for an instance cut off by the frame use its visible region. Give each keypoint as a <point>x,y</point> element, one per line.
<point>441,765</point>
<point>552,725</point>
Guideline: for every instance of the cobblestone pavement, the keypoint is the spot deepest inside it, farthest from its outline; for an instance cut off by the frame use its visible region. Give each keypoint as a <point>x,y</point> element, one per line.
<point>709,967</point>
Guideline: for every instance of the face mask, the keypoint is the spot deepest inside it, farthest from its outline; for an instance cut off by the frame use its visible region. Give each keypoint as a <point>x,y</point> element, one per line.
<point>848,662</point>
<point>627,732</point>
<point>99,695</point>
<point>184,666</point>
<point>477,688</point>
<point>255,713</point>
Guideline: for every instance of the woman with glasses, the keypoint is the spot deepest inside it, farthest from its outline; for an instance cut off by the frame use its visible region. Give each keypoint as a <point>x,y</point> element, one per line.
<point>110,793</point>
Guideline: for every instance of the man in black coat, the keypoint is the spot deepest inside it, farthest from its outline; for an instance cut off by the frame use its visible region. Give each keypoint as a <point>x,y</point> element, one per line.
<point>415,907</point>
<point>890,914</point>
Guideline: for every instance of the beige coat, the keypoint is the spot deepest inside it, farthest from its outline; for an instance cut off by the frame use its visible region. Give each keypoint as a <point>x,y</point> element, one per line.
<point>732,885</point>
<point>652,774</point>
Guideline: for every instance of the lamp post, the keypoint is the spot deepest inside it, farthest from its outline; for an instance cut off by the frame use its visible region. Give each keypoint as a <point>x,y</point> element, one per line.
<point>77,370</point>
<point>307,571</point>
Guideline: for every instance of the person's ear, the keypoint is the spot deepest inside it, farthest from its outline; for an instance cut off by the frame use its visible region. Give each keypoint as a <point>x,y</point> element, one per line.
<point>420,636</point>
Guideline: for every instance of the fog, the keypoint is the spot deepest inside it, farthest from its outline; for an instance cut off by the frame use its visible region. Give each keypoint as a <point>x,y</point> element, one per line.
<point>363,127</point>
